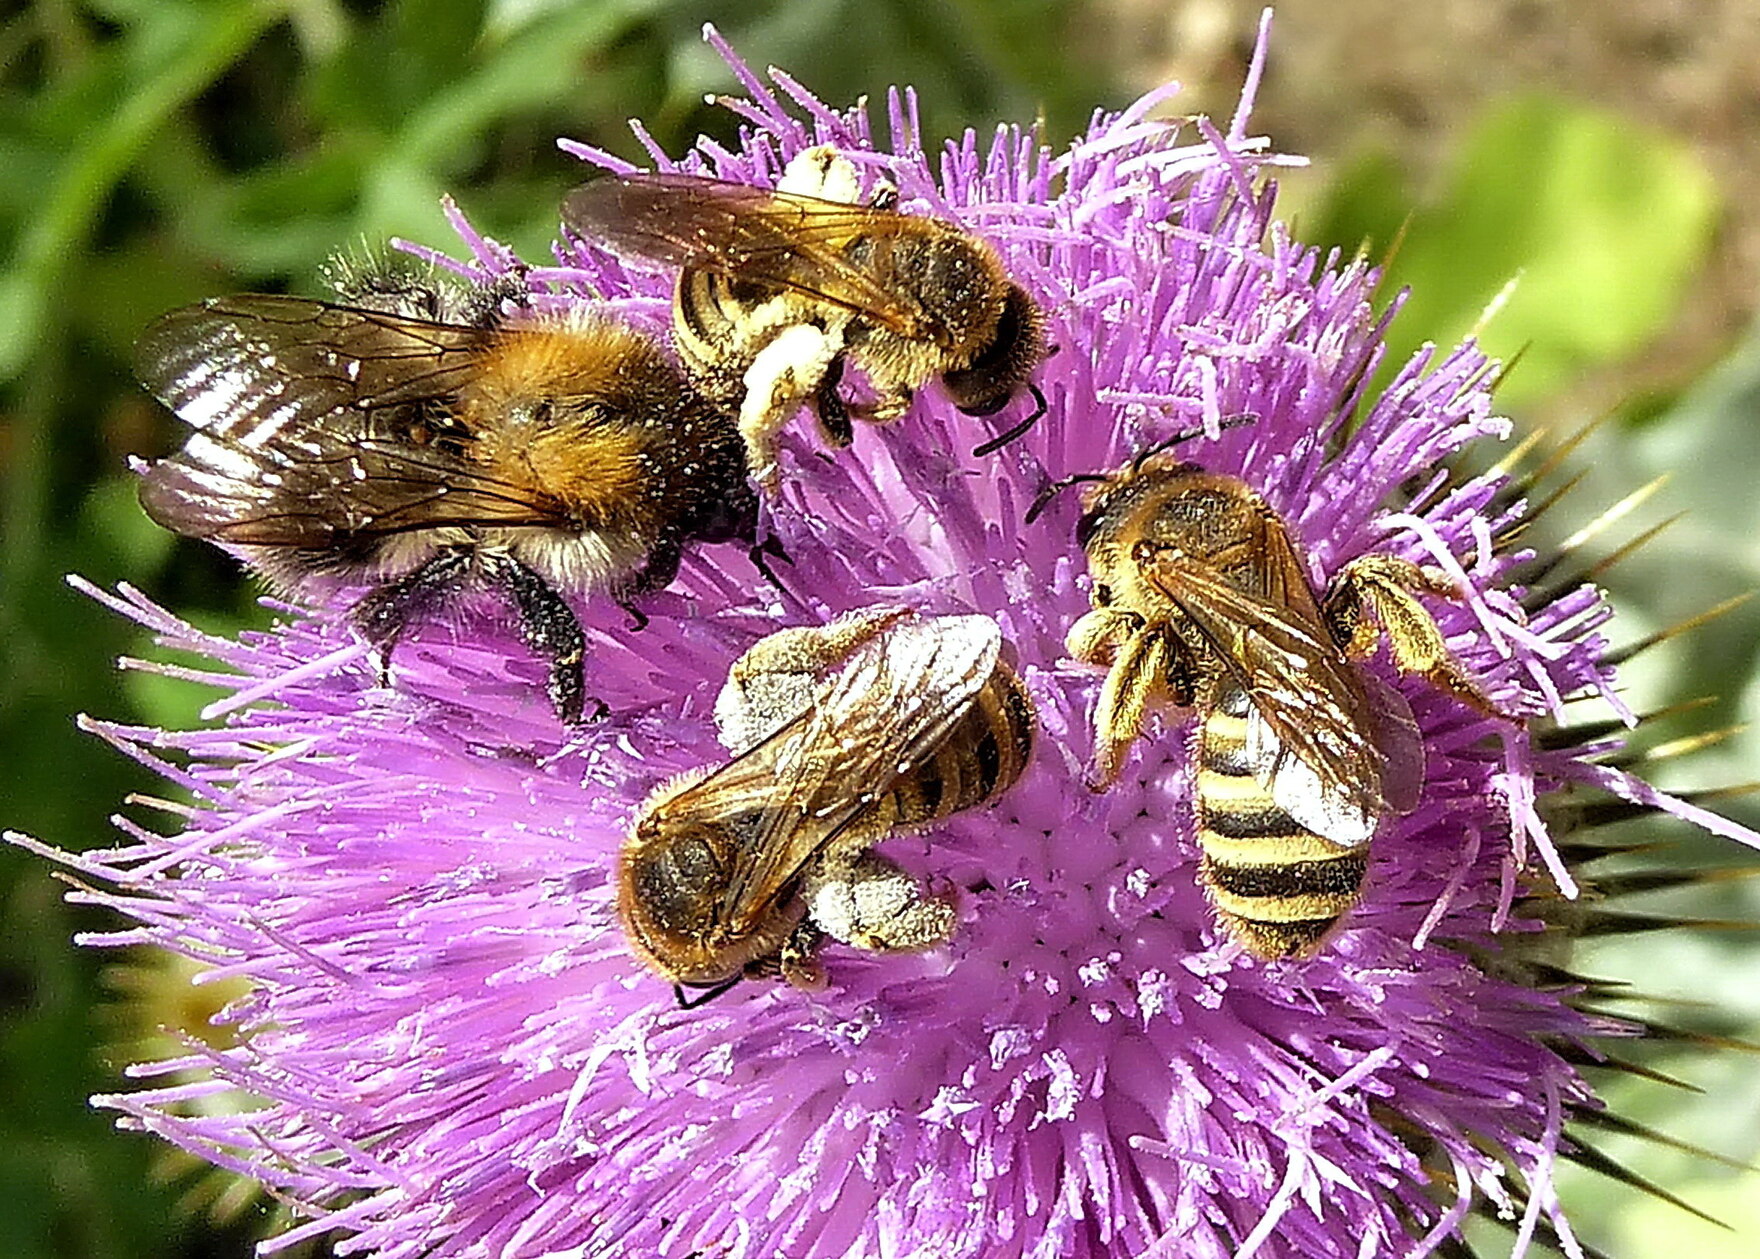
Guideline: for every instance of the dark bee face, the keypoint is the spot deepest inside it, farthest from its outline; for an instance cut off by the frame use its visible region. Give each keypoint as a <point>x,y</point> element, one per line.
<point>1104,507</point>
<point>1162,499</point>
<point>997,374</point>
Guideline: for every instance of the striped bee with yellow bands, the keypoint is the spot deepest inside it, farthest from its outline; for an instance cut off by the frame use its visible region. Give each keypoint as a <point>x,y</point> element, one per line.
<point>1201,600</point>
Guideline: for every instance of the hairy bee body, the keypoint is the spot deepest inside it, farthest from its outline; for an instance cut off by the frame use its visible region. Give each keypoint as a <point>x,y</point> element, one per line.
<point>413,440</point>
<point>722,323</point>
<point>777,289</point>
<point>841,735</point>
<point>1275,885</point>
<point>1203,601</point>
<point>590,469</point>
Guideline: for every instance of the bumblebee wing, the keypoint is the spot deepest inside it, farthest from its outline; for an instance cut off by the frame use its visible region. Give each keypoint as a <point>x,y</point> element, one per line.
<point>1309,726</point>
<point>750,234</point>
<point>301,410</point>
<point>891,707</point>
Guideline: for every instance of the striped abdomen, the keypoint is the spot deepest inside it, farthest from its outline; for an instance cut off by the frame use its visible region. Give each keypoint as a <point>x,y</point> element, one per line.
<point>982,758</point>
<point>1277,887</point>
<point>710,316</point>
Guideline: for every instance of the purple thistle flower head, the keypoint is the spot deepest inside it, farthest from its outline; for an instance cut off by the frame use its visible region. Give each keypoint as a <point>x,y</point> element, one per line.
<point>448,1047</point>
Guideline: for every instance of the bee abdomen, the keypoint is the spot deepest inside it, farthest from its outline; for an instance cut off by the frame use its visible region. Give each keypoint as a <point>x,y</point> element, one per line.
<point>706,315</point>
<point>983,756</point>
<point>1276,886</point>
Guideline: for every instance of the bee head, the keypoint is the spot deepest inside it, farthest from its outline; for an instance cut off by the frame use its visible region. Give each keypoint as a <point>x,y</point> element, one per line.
<point>1000,368</point>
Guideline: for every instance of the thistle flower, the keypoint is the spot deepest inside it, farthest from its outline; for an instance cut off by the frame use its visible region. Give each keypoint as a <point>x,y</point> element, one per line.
<point>449,1049</point>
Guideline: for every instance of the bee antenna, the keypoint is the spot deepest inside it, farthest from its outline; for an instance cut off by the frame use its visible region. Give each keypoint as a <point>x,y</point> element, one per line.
<point>1040,406</point>
<point>1189,434</point>
<point>1051,491</point>
<point>1057,487</point>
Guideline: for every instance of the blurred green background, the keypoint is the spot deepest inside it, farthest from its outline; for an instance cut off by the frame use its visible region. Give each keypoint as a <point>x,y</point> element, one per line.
<point>158,151</point>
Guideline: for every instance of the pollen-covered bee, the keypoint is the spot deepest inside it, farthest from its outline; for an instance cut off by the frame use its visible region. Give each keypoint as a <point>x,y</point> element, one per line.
<point>412,439</point>
<point>777,289</point>
<point>841,735</point>
<point>1202,600</point>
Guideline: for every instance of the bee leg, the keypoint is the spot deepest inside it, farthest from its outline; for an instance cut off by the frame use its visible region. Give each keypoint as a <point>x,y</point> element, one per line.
<point>638,619</point>
<point>1139,672</point>
<point>1375,597</point>
<point>387,612</point>
<point>659,571</point>
<point>656,574</point>
<point>704,995</point>
<point>1182,677</point>
<point>549,627</point>
<point>1097,635</point>
<point>770,546</point>
<point>829,406</point>
<point>778,676</point>
<point>809,651</point>
<point>821,171</point>
<point>890,405</point>
<point>868,901</point>
<point>798,959</point>
<point>783,376</point>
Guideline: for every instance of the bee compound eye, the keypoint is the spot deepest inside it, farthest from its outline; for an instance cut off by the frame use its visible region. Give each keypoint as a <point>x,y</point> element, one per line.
<point>1146,552</point>
<point>1085,528</point>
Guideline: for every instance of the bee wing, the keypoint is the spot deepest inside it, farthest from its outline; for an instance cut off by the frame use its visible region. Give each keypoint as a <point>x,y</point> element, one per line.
<point>1401,742</point>
<point>887,710</point>
<point>760,235</point>
<point>296,405</point>
<point>1341,817</point>
<point>1347,818</point>
<point>1310,724</point>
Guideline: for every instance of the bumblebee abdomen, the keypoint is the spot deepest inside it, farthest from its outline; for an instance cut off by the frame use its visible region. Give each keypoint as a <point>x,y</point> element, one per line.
<point>1276,886</point>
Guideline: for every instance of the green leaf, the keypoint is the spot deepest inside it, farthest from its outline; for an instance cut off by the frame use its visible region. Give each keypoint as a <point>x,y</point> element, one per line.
<point>1651,1227</point>
<point>113,518</point>
<point>1601,224</point>
<point>173,703</point>
<point>158,74</point>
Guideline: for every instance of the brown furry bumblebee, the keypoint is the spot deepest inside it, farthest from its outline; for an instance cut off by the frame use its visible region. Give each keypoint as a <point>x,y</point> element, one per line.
<point>777,289</point>
<point>413,439</point>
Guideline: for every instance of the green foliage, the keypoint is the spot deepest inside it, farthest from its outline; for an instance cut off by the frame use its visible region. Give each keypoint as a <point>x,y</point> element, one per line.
<point>1601,226</point>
